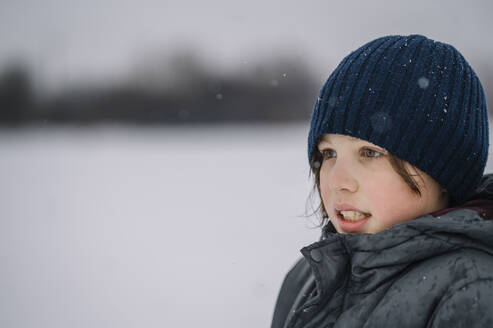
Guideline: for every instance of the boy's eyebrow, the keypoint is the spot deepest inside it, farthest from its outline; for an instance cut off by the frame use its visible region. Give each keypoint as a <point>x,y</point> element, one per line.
<point>326,139</point>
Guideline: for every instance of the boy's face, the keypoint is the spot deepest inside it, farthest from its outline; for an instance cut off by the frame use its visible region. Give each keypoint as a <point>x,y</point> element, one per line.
<point>357,178</point>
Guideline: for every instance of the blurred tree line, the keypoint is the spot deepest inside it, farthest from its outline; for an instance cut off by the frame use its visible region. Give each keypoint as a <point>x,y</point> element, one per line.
<point>186,93</point>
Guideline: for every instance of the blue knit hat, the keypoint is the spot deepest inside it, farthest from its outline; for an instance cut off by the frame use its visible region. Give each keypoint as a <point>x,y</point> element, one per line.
<point>415,97</point>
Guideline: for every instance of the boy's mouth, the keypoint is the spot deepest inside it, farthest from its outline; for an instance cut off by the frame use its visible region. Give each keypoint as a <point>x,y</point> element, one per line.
<point>352,221</point>
<point>352,215</point>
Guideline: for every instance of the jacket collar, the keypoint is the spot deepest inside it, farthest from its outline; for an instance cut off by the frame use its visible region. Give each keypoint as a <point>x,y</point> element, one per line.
<point>481,201</point>
<point>368,260</point>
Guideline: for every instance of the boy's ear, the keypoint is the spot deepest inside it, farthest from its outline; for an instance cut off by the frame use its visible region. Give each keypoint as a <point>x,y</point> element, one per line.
<point>446,196</point>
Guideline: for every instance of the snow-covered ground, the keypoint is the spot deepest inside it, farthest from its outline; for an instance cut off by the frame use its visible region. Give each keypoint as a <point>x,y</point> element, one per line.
<point>160,227</point>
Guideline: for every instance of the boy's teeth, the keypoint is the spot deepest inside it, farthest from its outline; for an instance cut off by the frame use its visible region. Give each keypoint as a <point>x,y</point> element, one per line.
<point>353,215</point>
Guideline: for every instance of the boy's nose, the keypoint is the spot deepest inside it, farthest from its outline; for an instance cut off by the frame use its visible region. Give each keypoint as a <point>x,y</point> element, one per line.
<point>341,178</point>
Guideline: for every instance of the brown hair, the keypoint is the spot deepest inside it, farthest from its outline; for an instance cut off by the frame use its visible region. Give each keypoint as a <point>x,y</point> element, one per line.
<point>397,163</point>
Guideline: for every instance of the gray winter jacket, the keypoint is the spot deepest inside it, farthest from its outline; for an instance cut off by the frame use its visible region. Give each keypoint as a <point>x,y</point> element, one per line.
<point>434,271</point>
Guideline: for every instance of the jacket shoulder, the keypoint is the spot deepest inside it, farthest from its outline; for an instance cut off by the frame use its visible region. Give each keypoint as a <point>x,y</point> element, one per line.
<point>468,305</point>
<point>460,266</point>
<point>468,300</point>
<point>427,293</point>
<point>291,286</point>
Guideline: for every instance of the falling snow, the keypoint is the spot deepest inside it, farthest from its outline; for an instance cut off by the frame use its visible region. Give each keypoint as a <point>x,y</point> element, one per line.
<point>423,82</point>
<point>332,101</point>
<point>183,113</point>
<point>381,122</point>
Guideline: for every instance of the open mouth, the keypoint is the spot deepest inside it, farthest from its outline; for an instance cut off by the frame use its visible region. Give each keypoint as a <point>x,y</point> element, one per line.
<point>353,216</point>
<point>352,221</point>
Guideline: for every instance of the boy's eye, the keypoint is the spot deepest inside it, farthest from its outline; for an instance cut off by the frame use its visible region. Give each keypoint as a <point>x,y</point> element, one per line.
<point>366,152</point>
<point>328,153</point>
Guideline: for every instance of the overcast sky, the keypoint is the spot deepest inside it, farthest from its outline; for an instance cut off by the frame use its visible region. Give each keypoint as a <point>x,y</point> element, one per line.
<point>69,41</point>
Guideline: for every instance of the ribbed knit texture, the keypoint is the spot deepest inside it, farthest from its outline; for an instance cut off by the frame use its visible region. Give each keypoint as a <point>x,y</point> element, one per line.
<point>415,97</point>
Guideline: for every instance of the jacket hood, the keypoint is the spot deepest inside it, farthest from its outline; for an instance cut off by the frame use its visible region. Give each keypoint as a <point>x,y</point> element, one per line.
<point>481,201</point>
